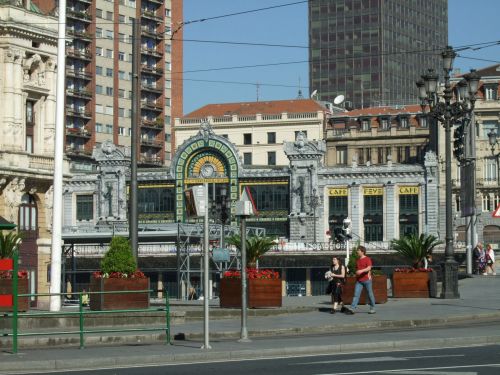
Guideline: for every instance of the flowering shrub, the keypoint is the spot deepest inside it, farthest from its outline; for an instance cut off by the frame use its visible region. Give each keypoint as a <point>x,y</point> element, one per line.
<point>253,273</point>
<point>8,274</point>
<point>118,275</point>
<point>409,270</point>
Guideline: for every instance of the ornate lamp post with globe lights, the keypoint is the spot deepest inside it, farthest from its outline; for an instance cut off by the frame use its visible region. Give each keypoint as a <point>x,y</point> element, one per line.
<point>448,109</point>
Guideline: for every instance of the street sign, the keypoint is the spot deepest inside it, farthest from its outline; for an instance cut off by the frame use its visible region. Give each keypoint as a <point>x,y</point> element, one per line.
<point>496,213</point>
<point>220,255</point>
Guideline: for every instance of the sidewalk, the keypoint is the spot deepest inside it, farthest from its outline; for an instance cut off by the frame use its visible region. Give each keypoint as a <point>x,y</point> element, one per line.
<point>479,302</point>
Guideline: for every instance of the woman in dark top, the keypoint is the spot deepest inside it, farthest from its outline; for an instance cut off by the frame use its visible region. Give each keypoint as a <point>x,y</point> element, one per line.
<point>338,274</point>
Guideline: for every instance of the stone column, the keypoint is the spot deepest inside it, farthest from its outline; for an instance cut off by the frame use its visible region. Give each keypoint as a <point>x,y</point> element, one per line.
<point>19,106</point>
<point>8,97</point>
<point>356,211</point>
<point>391,216</point>
<point>308,282</point>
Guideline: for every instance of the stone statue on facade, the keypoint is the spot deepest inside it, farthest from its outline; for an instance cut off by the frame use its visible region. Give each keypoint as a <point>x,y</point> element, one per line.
<point>298,195</point>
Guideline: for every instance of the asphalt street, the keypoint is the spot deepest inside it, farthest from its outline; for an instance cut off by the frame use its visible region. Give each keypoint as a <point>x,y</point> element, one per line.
<point>483,360</point>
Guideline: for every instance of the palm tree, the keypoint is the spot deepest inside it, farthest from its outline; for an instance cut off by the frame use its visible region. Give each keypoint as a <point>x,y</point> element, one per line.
<point>415,248</point>
<point>255,247</point>
<point>9,244</point>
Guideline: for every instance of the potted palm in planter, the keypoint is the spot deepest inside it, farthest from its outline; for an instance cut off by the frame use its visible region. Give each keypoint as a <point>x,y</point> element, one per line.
<point>264,286</point>
<point>119,273</point>
<point>379,283</point>
<point>9,246</point>
<point>415,281</point>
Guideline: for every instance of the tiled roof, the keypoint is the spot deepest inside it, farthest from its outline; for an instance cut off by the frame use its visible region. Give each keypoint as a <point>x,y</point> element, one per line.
<point>380,111</point>
<point>252,108</point>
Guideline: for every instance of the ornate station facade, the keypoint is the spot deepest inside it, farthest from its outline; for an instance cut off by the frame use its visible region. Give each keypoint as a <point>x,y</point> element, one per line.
<point>300,205</point>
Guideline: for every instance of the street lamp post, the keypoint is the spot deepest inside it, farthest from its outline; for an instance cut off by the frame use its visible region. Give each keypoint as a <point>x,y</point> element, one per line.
<point>456,105</point>
<point>314,200</point>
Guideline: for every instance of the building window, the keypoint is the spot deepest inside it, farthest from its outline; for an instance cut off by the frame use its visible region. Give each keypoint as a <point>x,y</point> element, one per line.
<point>121,93</point>
<point>121,112</point>
<point>490,92</point>
<point>109,128</point>
<point>424,122</point>
<point>109,72</point>
<point>98,70</point>
<point>247,138</point>
<point>121,18</point>
<point>490,126</point>
<point>98,33</point>
<point>271,137</point>
<point>109,16</point>
<point>99,108</point>
<point>98,89</point>
<point>109,53</point>
<point>271,158</point>
<point>109,110</point>
<point>380,155</point>
<point>365,125</point>
<point>121,75</point>
<point>341,153</point>
<point>247,158</point>
<point>403,122</point>
<point>384,124</point>
<point>486,203</point>
<point>224,136</point>
<point>109,34</point>
<point>98,51</point>
<point>84,207</point>
<point>98,127</point>
<point>337,212</point>
<point>98,13</point>
<point>490,169</point>
<point>408,214</point>
<point>109,91</point>
<point>30,125</point>
<point>121,56</point>
<point>373,218</point>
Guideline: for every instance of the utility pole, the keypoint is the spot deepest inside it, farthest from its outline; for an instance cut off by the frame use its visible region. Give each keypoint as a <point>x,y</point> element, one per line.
<point>206,293</point>
<point>56,250</point>
<point>136,113</point>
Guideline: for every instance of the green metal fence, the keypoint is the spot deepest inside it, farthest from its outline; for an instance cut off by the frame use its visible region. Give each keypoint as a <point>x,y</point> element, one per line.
<point>82,313</point>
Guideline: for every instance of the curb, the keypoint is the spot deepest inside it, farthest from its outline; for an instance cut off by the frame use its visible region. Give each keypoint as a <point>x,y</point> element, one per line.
<point>95,363</point>
<point>141,338</point>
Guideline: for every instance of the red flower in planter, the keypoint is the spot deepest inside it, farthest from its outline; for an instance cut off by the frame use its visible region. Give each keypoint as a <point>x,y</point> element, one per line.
<point>253,273</point>
<point>23,274</point>
<point>118,275</point>
<point>410,270</point>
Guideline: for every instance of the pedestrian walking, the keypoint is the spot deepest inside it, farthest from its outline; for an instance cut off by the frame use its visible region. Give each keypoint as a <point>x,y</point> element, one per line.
<point>363,280</point>
<point>479,259</point>
<point>490,260</point>
<point>337,274</point>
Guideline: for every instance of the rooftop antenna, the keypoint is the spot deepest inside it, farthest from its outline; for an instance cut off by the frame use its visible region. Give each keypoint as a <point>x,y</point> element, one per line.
<point>299,95</point>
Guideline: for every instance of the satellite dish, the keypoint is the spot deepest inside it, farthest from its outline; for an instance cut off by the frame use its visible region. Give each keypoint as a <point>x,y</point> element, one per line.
<point>314,93</point>
<point>339,100</point>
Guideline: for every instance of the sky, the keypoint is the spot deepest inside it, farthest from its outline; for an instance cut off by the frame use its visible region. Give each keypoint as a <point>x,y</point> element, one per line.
<point>288,26</point>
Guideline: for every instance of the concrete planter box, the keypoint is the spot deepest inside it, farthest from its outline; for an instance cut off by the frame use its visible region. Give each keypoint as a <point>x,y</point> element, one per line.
<point>261,293</point>
<point>414,284</point>
<point>120,301</point>
<point>23,303</point>
<point>379,285</point>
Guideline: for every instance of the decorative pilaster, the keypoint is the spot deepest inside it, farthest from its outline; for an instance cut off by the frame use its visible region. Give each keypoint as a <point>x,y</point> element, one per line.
<point>390,213</point>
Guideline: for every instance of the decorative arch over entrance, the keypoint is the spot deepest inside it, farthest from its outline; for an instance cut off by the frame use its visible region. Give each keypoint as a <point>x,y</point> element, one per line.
<point>206,157</point>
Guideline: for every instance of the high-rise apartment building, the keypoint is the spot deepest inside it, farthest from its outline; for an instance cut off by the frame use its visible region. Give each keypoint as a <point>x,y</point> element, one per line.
<point>373,51</point>
<point>99,76</point>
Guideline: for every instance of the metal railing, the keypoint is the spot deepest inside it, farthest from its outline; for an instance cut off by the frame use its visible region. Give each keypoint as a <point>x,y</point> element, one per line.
<point>81,313</point>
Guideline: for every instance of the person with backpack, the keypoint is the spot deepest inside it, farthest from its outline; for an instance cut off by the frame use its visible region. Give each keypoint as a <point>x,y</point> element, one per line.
<point>337,274</point>
<point>363,280</point>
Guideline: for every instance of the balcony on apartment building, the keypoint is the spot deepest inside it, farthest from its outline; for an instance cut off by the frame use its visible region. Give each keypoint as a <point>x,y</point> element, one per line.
<point>79,53</point>
<point>153,124</point>
<point>159,2</point>
<point>150,14</point>
<point>78,112</point>
<point>150,51</point>
<point>145,68</point>
<point>80,15</point>
<point>249,119</point>
<point>78,150</point>
<point>151,31</point>
<point>151,142</point>
<point>155,160</point>
<point>80,34</point>
<point>354,132</point>
<point>79,92</point>
<point>78,73</point>
<point>76,131</point>
<point>152,105</point>
<point>151,87</point>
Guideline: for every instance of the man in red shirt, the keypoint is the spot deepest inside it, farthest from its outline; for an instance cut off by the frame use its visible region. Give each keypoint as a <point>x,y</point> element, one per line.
<point>364,279</point>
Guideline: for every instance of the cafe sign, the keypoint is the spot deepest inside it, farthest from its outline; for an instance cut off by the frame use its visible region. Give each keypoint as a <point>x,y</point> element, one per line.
<point>408,190</point>
<point>337,192</point>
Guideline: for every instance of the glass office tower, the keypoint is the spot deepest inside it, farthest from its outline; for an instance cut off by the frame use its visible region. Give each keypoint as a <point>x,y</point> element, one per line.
<point>373,51</point>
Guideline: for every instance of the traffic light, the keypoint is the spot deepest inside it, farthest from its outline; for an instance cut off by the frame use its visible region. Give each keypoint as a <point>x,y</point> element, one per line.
<point>459,141</point>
